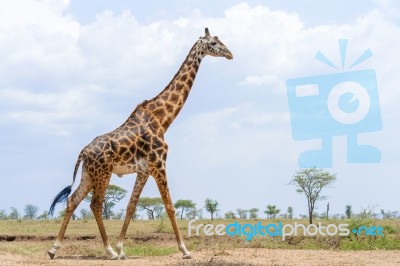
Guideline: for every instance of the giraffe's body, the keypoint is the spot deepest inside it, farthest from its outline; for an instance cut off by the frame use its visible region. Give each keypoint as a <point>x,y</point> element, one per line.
<point>137,146</point>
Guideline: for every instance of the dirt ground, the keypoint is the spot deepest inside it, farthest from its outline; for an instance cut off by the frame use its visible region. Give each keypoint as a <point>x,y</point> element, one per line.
<point>241,256</point>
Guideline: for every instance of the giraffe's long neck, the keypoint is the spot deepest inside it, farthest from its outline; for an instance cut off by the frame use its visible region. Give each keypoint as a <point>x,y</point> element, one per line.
<point>167,104</point>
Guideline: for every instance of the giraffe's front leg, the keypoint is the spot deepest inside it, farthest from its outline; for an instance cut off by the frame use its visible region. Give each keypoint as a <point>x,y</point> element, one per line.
<point>53,250</point>
<point>161,180</point>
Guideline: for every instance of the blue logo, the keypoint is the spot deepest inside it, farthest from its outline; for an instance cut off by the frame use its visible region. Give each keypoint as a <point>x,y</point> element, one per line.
<point>279,230</point>
<point>338,104</point>
<point>368,231</point>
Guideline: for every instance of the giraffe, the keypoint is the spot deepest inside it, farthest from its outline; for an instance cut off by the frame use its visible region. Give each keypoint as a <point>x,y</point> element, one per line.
<point>137,146</point>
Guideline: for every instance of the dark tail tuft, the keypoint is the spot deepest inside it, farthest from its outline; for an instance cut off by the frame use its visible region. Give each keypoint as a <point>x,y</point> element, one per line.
<point>61,197</point>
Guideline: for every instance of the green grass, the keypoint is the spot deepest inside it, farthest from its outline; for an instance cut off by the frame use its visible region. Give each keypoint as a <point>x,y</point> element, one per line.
<point>148,250</point>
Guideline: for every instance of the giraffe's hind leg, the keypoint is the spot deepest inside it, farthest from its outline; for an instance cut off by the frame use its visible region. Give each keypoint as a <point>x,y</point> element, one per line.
<point>73,202</point>
<point>141,180</point>
<point>99,192</point>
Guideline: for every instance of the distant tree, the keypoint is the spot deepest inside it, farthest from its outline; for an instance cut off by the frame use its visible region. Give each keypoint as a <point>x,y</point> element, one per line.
<point>327,211</point>
<point>61,215</point>
<point>367,213</point>
<point>253,213</point>
<point>119,215</point>
<point>230,215</point>
<point>160,213</point>
<point>211,206</point>
<point>113,195</point>
<point>272,211</point>
<point>388,214</point>
<point>310,182</point>
<point>136,216</point>
<point>290,212</point>
<point>31,211</point>
<point>3,215</point>
<point>242,213</point>
<point>86,214</point>
<point>199,213</point>
<point>184,205</point>
<point>348,212</point>
<point>338,216</point>
<point>153,206</point>
<point>192,213</point>
<point>44,216</point>
<point>14,214</point>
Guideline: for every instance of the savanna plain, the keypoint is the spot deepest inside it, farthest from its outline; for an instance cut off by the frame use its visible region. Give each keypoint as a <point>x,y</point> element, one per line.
<point>152,242</point>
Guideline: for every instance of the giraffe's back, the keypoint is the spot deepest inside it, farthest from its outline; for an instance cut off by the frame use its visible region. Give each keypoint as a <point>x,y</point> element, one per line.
<point>122,151</point>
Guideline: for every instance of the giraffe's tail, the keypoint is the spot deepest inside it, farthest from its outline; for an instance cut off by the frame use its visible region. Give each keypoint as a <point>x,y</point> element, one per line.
<point>63,195</point>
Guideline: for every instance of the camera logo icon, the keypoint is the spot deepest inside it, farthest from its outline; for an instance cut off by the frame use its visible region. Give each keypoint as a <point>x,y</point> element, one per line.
<point>339,104</point>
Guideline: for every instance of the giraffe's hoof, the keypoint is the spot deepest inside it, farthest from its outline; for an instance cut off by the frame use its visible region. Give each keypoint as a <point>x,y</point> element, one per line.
<point>51,254</point>
<point>187,256</point>
<point>122,257</point>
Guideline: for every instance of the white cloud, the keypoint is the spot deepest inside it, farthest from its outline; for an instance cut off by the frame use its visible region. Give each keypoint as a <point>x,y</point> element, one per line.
<point>60,76</point>
<point>47,51</point>
<point>263,80</point>
<point>36,36</point>
<point>233,134</point>
<point>57,113</point>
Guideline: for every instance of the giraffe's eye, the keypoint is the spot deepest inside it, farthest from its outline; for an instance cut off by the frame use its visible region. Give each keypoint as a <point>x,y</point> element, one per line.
<point>213,43</point>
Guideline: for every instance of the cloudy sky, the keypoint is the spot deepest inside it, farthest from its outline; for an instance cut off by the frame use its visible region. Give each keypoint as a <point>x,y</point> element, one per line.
<point>73,70</point>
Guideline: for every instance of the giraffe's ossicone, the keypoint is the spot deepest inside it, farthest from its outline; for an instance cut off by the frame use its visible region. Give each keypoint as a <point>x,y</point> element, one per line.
<point>137,146</point>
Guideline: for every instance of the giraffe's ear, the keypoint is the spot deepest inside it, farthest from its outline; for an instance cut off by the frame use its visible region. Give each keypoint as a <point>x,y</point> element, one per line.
<point>207,32</point>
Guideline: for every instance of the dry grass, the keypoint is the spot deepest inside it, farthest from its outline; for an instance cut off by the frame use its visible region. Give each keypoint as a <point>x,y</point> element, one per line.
<point>147,238</point>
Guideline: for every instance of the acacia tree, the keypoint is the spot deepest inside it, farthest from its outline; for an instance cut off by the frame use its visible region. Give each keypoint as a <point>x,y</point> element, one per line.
<point>253,212</point>
<point>211,206</point>
<point>193,213</point>
<point>388,214</point>
<point>272,211</point>
<point>14,214</point>
<point>290,212</point>
<point>113,195</point>
<point>86,214</point>
<point>230,215</point>
<point>349,212</point>
<point>199,213</point>
<point>31,211</point>
<point>327,211</point>
<point>44,216</point>
<point>310,182</point>
<point>3,215</point>
<point>153,206</point>
<point>242,213</point>
<point>184,205</point>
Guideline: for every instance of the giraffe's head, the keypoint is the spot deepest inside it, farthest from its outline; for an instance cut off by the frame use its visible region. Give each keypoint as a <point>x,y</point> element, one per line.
<point>211,45</point>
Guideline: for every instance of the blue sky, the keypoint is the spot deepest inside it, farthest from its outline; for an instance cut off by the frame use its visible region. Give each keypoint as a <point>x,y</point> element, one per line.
<point>73,70</point>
